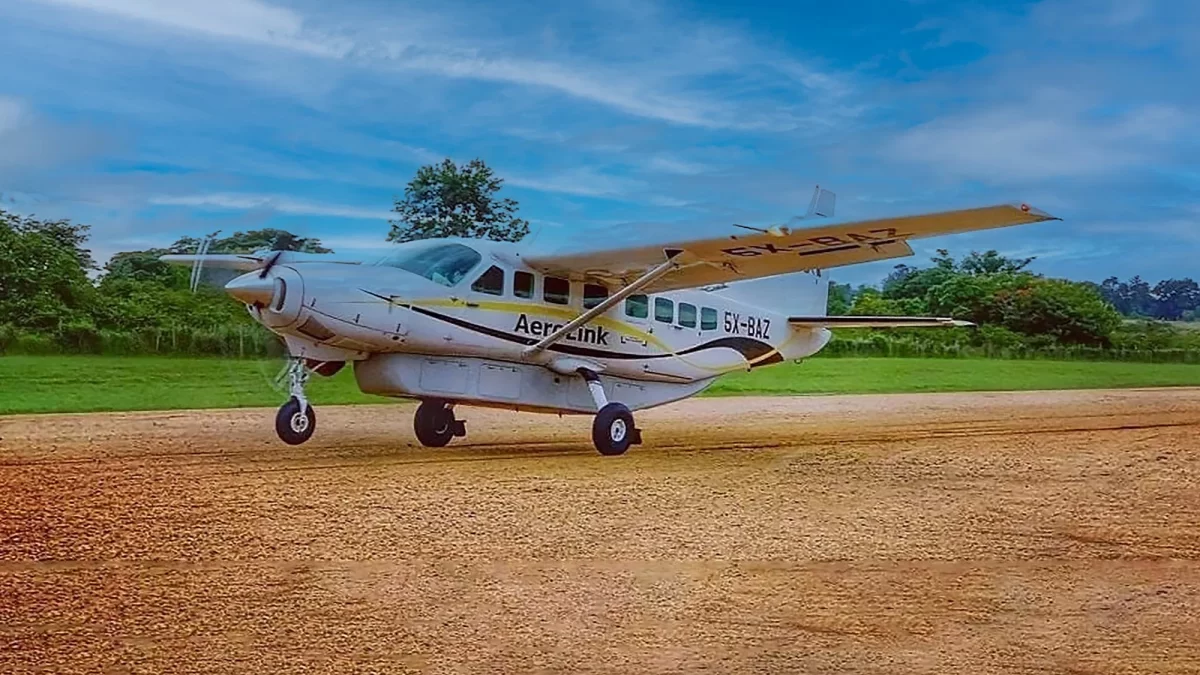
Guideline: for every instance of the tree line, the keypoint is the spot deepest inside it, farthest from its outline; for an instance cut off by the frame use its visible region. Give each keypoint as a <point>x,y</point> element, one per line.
<point>1168,300</point>
<point>54,297</point>
<point>1018,312</point>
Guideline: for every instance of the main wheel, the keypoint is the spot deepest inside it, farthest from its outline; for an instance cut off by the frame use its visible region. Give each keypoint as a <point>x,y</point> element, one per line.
<point>295,423</point>
<point>613,430</point>
<point>435,424</point>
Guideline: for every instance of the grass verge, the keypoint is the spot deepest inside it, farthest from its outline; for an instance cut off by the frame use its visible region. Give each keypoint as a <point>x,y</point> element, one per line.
<point>43,384</point>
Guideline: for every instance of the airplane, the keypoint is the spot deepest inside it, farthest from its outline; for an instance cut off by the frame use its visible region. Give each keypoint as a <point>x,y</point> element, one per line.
<point>605,330</point>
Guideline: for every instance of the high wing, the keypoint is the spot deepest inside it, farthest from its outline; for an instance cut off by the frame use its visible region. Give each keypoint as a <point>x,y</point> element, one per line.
<point>736,257</point>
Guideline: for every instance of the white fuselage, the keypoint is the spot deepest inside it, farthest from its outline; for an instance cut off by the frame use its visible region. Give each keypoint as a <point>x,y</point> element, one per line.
<point>423,310</point>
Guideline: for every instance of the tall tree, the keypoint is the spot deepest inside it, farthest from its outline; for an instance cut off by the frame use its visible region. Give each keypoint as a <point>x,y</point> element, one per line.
<point>447,200</point>
<point>1175,298</point>
<point>841,296</point>
<point>992,263</point>
<point>43,272</point>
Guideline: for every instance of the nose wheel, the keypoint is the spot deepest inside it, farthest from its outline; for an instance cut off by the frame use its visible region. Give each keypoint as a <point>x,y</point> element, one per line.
<point>295,422</point>
<point>436,425</point>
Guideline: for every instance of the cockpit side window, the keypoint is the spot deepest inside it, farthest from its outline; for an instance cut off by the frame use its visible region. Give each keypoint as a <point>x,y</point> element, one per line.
<point>490,282</point>
<point>446,264</point>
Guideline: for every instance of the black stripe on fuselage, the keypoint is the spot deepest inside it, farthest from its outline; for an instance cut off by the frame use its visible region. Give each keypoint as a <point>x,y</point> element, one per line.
<point>749,348</point>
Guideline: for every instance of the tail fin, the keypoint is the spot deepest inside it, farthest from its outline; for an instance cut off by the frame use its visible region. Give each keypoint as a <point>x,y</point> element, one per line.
<point>822,204</point>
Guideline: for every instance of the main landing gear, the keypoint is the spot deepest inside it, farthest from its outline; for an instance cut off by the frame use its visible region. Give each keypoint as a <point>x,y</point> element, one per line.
<point>296,420</point>
<point>435,423</point>
<point>612,429</point>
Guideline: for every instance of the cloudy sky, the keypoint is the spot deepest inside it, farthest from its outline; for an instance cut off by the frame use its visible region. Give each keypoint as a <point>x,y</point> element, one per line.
<point>149,119</point>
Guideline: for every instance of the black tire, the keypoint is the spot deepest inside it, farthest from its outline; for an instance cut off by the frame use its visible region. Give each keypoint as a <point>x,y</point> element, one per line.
<point>293,425</point>
<point>613,430</point>
<point>434,424</point>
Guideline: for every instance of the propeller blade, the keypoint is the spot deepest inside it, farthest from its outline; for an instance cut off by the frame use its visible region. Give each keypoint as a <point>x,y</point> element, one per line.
<point>270,263</point>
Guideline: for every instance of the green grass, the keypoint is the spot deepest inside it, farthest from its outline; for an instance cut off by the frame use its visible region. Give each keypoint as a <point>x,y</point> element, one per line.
<point>37,384</point>
<point>887,375</point>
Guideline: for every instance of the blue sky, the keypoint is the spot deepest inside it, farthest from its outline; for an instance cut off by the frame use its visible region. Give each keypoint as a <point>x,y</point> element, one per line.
<point>613,120</point>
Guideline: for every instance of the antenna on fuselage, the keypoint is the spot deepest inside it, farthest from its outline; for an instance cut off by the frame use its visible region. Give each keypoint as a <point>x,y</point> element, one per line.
<point>536,233</point>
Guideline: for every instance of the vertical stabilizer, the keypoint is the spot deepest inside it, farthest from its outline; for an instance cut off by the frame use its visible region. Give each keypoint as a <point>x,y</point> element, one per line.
<point>822,203</point>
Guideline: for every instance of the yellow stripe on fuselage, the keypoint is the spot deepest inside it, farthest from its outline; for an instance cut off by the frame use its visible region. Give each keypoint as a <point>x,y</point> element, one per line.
<point>569,313</point>
<point>558,312</point>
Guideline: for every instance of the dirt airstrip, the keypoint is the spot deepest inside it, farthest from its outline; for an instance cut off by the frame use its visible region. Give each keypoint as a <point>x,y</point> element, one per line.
<point>1036,532</point>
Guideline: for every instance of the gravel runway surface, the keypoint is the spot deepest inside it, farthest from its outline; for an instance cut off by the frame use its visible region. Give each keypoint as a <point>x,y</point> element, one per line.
<point>1017,532</point>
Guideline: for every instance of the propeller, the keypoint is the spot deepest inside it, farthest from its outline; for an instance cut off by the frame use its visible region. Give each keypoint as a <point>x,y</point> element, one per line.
<point>262,274</point>
<point>198,266</point>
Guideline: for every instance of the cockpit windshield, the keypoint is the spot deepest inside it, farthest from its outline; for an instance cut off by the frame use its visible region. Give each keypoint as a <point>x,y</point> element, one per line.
<point>446,264</point>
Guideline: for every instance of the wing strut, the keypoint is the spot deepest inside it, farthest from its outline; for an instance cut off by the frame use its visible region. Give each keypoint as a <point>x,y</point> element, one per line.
<point>671,263</point>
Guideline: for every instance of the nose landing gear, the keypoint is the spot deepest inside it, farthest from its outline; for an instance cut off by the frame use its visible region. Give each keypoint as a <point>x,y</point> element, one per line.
<point>296,420</point>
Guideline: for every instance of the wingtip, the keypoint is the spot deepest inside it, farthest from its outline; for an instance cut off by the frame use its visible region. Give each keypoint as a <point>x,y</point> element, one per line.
<point>1034,211</point>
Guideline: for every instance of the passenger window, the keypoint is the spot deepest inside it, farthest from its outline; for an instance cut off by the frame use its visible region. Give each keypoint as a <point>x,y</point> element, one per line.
<point>555,290</point>
<point>593,294</point>
<point>708,318</point>
<point>664,310</point>
<point>637,306</point>
<point>523,285</point>
<point>490,282</point>
<point>687,315</point>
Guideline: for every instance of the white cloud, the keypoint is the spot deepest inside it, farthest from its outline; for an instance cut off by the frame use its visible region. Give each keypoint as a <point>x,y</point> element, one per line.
<point>610,91</point>
<point>276,203</point>
<point>580,182</point>
<point>669,202</point>
<point>245,20</point>
<point>665,164</point>
<point>11,113</point>
<point>651,82</point>
<point>1035,141</point>
<point>29,143</point>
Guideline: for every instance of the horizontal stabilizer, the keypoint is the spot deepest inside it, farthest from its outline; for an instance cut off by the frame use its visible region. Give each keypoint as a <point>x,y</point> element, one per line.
<point>874,322</point>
